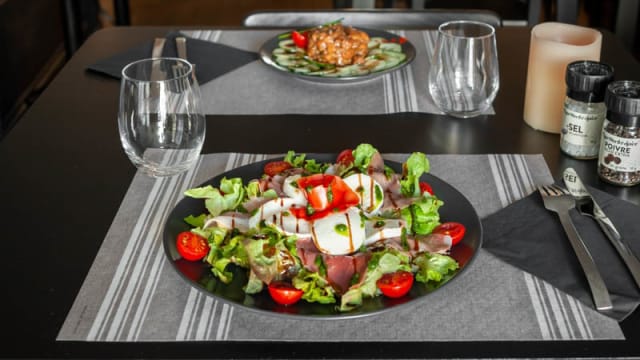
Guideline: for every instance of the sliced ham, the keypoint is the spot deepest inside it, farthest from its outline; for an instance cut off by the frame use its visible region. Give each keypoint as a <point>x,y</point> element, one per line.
<point>433,243</point>
<point>376,164</point>
<point>275,183</point>
<point>340,268</point>
<point>387,183</point>
<point>307,253</point>
<point>395,201</point>
<point>255,203</point>
<point>229,220</point>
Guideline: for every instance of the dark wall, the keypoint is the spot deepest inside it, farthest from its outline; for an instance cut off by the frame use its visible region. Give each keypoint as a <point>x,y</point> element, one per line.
<point>30,34</point>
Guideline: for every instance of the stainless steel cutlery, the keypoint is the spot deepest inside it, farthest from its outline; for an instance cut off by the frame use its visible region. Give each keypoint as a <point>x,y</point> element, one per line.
<point>586,205</point>
<point>156,52</point>
<point>560,201</point>
<point>179,69</point>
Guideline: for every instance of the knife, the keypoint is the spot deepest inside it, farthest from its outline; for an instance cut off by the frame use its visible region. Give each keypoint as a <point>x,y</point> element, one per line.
<point>181,46</point>
<point>587,205</point>
<point>156,52</point>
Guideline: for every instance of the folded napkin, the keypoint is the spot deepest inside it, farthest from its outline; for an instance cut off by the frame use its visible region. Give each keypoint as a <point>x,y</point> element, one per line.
<point>530,237</point>
<point>211,59</point>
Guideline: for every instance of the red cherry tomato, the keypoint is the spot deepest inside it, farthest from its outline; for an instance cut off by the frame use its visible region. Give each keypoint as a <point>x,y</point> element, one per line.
<point>284,293</point>
<point>300,39</point>
<point>318,198</point>
<point>315,180</point>
<point>424,187</point>
<point>325,193</point>
<point>343,196</point>
<point>276,167</point>
<point>395,285</point>
<point>345,157</point>
<point>191,246</point>
<point>453,229</point>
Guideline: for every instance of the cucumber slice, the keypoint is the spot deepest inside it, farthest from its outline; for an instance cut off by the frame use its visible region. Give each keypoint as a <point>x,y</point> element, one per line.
<point>394,47</point>
<point>325,73</point>
<point>287,44</point>
<point>352,70</point>
<point>287,51</point>
<point>293,63</point>
<point>301,70</point>
<point>375,65</point>
<point>375,42</point>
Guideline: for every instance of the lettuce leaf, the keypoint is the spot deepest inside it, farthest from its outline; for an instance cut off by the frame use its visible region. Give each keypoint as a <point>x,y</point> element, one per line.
<point>215,202</point>
<point>314,167</point>
<point>223,253</point>
<point>434,267</point>
<point>422,215</point>
<point>196,221</point>
<point>269,255</point>
<point>362,156</point>
<point>315,287</point>
<point>293,159</point>
<point>254,284</point>
<point>416,165</point>
<point>252,191</point>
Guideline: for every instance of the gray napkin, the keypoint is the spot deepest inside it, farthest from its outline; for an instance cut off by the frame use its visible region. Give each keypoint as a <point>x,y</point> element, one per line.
<point>211,59</point>
<point>528,236</point>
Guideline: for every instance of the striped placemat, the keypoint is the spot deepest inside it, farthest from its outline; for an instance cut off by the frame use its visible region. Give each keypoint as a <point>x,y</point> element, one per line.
<point>132,293</point>
<point>257,89</point>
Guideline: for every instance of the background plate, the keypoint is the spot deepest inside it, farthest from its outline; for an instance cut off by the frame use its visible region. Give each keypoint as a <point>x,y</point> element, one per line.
<point>456,208</point>
<point>266,54</point>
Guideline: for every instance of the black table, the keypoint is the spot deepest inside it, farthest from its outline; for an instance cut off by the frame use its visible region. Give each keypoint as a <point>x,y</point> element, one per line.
<point>63,175</point>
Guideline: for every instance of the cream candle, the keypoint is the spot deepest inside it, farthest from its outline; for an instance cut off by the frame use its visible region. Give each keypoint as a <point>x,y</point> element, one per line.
<point>553,46</point>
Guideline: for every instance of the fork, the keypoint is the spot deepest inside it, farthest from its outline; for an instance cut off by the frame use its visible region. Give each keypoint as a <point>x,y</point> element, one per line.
<point>560,201</point>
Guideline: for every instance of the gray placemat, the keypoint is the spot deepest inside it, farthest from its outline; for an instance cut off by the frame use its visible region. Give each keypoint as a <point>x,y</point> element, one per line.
<point>133,294</point>
<point>257,89</point>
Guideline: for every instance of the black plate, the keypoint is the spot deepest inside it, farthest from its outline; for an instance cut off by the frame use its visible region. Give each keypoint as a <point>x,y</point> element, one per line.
<point>456,208</point>
<point>266,54</point>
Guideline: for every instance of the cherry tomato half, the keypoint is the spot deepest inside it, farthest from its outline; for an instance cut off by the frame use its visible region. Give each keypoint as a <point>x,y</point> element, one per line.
<point>396,284</point>
<point>318,198</point>
<point>191,246</point>
<point>300,39</point>
<point>284,293</point>
<point>453,229</point>
<point>325,193</point>
<point>424,187</point>
<point>276,167</point>
<point>345,157</point>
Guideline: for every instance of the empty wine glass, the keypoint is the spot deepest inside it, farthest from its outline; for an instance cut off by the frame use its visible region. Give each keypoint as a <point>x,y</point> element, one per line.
<point>161,123</point>
<point>464,77</point>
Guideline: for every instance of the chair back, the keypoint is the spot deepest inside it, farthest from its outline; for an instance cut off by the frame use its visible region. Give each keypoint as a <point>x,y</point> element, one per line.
<point>373,19</point>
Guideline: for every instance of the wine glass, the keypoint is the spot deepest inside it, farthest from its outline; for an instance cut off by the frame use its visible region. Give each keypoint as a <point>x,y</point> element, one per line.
<point>464,77</point>
<point>161,123</point>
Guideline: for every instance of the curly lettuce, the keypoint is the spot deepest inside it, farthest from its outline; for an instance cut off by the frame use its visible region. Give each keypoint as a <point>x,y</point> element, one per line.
<point>434,267</point>
<point>362,156</point>
<point>316,288</point>
<point>416,165</point>
<point>228,197</point>
<point>422,215</point>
